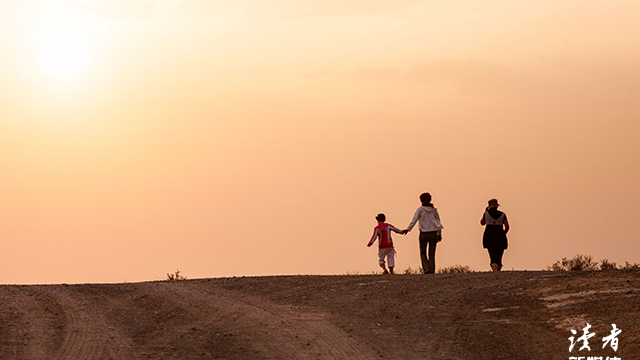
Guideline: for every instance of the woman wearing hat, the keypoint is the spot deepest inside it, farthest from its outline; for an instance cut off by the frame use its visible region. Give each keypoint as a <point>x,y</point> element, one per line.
<point>495,233</point>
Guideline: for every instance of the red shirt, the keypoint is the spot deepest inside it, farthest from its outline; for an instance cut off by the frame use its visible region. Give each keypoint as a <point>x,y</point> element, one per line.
<point>383,231</point>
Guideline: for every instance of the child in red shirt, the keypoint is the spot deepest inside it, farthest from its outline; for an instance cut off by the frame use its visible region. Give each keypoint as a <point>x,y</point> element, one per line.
<point>385,243</point>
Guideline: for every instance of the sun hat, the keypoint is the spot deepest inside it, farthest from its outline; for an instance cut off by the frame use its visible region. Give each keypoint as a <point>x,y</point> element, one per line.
<point>493,203</point>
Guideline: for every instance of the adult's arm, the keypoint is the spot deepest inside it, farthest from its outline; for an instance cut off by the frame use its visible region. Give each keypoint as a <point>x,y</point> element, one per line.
<point>506,226</point>
<point>413,222</point>
<point>483,221</point>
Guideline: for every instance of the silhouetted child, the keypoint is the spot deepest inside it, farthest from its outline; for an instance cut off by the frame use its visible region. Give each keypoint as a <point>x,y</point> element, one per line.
<point>385,243</point>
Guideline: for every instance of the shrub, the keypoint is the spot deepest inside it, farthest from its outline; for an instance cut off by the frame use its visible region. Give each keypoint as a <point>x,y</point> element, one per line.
<point>176,276</point>
<point>410,271</point>
<point>606,265</point>
<point>358,273</point>
<point>455,269</point>
<point>578,263</point>
<point>586,263</point>
<point>628,266</point>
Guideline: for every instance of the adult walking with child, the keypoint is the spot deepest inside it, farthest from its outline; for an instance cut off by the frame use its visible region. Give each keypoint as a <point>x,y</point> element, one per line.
<point>428,220</point>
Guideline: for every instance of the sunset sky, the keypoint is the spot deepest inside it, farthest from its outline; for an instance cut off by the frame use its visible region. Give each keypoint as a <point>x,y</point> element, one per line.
<point>254,137</point>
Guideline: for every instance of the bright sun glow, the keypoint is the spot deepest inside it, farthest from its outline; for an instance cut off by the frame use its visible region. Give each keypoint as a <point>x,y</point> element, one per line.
<point>65,39</point>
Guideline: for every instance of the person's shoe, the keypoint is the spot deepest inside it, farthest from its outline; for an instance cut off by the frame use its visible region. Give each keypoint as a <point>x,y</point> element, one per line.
<point>385,272</point>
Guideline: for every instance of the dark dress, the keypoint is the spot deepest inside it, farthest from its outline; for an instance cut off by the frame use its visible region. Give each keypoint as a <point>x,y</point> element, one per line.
<point>494,238</point>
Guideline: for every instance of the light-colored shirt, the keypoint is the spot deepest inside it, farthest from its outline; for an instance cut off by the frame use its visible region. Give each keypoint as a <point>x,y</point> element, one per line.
<point>427,218</point>
<point>490,220</point>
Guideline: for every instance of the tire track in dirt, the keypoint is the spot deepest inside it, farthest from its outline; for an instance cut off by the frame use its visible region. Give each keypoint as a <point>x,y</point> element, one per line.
<point>464,316</point>
<point>26,333</point>
<point>333,341</point>
<point>87,334</point>
<point>308,335</point>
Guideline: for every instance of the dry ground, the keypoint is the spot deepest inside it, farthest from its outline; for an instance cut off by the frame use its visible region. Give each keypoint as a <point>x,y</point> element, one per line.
<point>509,315</point>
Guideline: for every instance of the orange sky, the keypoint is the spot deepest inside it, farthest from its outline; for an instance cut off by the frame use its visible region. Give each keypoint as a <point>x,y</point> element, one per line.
<point>243,137</point>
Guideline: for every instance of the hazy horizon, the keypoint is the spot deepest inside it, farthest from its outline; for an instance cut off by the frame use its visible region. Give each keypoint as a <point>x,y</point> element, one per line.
<point>231,138</point>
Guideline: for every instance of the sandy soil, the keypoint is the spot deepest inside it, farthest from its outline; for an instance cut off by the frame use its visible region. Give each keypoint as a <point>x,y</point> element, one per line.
<point>477,316</point>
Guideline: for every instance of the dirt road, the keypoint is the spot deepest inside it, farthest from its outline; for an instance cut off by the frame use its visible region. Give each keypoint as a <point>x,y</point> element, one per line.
<point>510,315</point>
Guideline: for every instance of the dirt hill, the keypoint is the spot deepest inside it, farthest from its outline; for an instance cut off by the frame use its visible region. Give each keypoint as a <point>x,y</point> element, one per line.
<point>509,315</point>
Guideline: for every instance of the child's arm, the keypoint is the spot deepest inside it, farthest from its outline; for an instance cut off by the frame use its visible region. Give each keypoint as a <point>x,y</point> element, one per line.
<point>376,233</point>
<point>395,229</point>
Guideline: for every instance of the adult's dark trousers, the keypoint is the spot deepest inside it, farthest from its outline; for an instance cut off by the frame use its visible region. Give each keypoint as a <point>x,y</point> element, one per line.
<point>495,254</point>
<point>431,239</point>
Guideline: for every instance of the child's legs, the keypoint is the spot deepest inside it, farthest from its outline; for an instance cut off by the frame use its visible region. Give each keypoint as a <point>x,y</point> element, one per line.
<point>381,255</point>
<point>391,259</point>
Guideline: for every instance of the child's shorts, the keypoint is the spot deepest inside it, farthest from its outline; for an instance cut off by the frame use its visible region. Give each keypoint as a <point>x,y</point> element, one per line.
<point>389,254</point>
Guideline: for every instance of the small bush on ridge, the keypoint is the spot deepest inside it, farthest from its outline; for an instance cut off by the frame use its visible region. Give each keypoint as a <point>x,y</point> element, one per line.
<point>455,269</point>
<point>586,263</point>
<point>410,271</point>
<point>176,276</point>
<point>578,263</point>
<point>606,265</point>
<point>628,266</point>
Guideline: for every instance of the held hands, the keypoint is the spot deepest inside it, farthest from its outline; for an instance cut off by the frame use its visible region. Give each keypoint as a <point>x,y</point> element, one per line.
<point>404,232</point>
